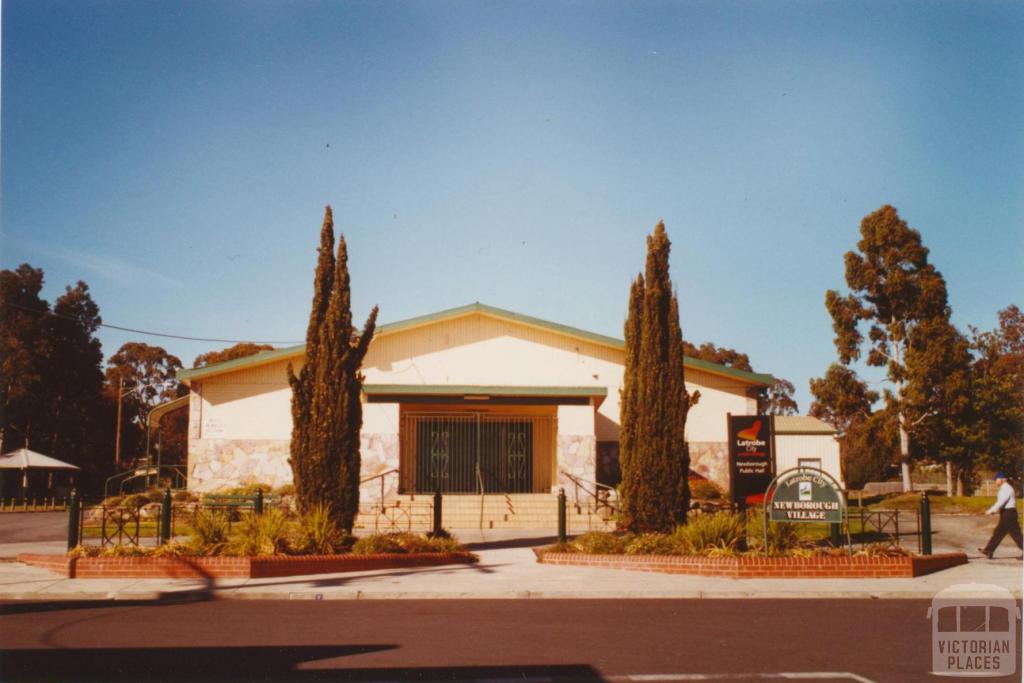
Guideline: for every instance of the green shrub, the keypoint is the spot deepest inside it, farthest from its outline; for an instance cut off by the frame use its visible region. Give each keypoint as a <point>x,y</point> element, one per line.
<point>135,500</point>
<point>123,551</point>
<point>173,549</point>
<point>377,544</point>
<point>184,497</point>
<point>265,534</point>
<point>702,533</point>
<point>84,551</point>
<point>599,543</point>
<point>317,533</point>
<point>782,537</point>
<point>414,543</point>
<point>702,489</point>
<point>209,531</point>
<point>445,544</point>
<point>650,544</point>
<point>113,501</point>
<point>154,495</point>
<point>248,489</point>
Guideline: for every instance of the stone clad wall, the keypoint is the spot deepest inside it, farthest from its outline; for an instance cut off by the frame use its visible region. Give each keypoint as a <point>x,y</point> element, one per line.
<point>710,459</point>
<point>215,464</point>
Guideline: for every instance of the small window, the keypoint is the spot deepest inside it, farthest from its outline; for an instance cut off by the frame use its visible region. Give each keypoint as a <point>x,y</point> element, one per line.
<point>998,620</point>
<point>972,618</point>
<point>946,622</point>
<point>812,463</point>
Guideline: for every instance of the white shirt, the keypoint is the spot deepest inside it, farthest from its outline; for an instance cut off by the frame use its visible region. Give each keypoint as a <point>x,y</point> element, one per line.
<point>1005,499</point>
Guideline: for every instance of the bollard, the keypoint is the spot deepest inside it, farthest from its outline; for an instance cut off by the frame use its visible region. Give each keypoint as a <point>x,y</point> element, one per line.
<point>73,520</point>
<point>926,525</point>
<point>165,517</point>
<point>437,513</point>
<point>257,506</point>
<point>562,535</point>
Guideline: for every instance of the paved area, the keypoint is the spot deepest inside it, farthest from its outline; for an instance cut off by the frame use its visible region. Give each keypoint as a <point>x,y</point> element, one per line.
<point>507,569</point>
<point>487,640</point>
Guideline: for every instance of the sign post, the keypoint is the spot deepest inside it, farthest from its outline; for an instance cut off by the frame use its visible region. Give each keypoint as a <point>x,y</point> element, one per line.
<point>804,495</point>
<point>751,457</point>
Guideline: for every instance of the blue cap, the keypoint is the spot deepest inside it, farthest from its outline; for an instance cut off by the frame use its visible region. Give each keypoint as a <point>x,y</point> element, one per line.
<point>1000,475</point>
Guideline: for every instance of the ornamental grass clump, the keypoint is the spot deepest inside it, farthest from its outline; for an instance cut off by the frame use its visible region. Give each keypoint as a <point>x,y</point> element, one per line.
<point>650,544</point>
<point>598,543</point>
<point>210,529</point>
<point>377,544</point>
<point>317,533</point>
<point>782,538</point>
<point>265,534</point>
<point>718,534</point>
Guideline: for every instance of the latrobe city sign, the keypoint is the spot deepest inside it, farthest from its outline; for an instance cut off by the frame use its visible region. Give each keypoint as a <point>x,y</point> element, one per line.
<point>805,495</point>
<point>750,455</point>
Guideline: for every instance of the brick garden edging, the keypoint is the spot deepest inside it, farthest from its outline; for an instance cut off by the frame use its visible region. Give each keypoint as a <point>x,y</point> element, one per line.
<point>748,567</point>
<point>232,567</point>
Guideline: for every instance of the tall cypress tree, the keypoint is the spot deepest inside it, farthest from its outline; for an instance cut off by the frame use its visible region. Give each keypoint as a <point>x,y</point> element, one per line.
<point>654,456</point>
<point>326,412</point>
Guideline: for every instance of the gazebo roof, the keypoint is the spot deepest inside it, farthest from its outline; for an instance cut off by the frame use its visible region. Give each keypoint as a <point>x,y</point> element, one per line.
<point>23,458</point>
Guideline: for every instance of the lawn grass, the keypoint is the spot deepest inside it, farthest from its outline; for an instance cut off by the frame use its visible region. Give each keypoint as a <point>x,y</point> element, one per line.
<point>939,504</point>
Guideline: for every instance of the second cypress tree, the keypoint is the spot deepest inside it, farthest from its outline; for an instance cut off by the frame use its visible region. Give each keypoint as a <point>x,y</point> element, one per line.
<point>654,456</point>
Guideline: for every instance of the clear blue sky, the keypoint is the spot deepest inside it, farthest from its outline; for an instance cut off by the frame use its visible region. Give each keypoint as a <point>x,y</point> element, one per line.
<point>177,157</point>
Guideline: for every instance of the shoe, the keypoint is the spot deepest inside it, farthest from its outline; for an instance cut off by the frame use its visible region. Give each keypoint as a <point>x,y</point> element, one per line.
<point>986,554</point>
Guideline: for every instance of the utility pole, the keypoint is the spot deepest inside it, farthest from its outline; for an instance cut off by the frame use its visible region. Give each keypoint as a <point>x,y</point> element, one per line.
<point>117,437</point>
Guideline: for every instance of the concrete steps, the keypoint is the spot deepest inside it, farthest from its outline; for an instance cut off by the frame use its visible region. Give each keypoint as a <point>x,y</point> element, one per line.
<point>514,511</point>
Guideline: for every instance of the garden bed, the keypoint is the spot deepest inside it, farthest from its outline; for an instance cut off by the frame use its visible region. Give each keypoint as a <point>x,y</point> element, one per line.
<point>754,567</point>
<point>188,567</point>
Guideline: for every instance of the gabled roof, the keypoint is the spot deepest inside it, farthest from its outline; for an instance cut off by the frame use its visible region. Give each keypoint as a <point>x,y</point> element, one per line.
<point>264,357</point>
<point>802,424</point>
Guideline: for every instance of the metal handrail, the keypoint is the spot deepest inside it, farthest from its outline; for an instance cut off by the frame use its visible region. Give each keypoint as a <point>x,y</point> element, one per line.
<point>380,476</point>
<point>578,483</point>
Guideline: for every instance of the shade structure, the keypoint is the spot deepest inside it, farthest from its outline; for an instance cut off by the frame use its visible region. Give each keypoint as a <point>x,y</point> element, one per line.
<point>23,459</point>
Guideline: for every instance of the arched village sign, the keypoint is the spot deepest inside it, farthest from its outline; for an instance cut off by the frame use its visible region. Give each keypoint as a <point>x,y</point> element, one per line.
<point>805,495</point>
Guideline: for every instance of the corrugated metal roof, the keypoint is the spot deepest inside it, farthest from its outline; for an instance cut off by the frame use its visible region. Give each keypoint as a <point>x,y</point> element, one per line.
<point>802,424</point>
<point>263,357</point>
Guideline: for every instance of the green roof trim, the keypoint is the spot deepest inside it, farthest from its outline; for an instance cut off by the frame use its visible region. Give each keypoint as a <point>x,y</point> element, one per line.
<point>263,357</point>
<point>478,390</point>
<point>189,374</point>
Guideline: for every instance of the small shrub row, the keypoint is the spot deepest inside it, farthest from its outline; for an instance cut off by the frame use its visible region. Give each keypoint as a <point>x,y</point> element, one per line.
<point>721,534</point>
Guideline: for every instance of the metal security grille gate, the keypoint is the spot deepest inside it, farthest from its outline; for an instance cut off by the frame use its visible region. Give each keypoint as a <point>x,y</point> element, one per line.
<point>471,453</point>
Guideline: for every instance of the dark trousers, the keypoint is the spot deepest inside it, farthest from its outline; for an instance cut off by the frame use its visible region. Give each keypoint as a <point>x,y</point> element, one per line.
<point>1007,525</point>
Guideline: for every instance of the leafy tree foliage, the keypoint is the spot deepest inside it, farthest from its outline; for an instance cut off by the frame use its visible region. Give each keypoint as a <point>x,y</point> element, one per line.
<point>654,455</point>
<point>841,398</point>
<point>142,377</point>
<point>901,298</point>
<point>775,400</point>
<point>719,355</point>
<point>778,399</point>
<point>240,350</point>
<point>998,391</point>
<point>326,411</point>
<point>51,395</point>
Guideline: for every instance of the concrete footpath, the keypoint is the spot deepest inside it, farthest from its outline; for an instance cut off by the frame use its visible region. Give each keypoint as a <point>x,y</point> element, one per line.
<point>507,569</point>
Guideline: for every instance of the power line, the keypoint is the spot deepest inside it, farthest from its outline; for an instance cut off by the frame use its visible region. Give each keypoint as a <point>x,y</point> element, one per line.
<point>166,335</point>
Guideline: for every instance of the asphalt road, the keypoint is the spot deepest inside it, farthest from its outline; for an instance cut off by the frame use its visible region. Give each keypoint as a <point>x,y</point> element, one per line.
<point>620,640</point>
<point>21,527</point>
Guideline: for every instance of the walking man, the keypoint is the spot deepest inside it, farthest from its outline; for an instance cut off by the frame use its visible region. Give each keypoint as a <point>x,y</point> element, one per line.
<point>1006,508</point>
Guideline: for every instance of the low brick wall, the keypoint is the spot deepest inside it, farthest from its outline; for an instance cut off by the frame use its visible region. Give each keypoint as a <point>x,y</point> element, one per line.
<point>231,567</point>
<point>766,567</point>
